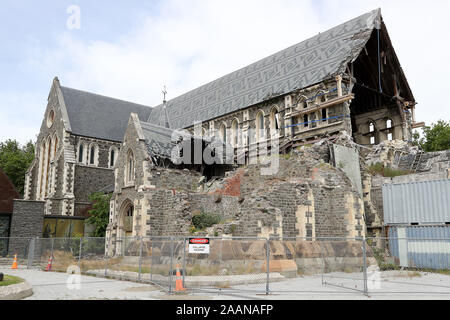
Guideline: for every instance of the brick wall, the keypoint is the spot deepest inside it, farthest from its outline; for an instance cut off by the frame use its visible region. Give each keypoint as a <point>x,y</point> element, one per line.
<point>307,197</point>
<point>27,222</point>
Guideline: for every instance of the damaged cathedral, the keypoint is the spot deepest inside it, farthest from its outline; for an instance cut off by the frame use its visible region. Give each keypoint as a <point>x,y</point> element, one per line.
<point>314,109</point>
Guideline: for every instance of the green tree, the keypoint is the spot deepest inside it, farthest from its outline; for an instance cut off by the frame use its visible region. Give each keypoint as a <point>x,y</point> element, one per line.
<point>435,138</point>
<point>99,214</point>
<point>15,161</point>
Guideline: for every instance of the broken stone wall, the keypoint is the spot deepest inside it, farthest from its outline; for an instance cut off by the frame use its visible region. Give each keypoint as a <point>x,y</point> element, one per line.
<point>177,179</point>
<point>306,197</point>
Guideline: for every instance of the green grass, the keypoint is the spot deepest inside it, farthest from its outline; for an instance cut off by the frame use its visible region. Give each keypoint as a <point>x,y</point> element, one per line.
<point>9,280</point>
<point>380,169</point>
<point>443,271</point>
<point>285,156</point>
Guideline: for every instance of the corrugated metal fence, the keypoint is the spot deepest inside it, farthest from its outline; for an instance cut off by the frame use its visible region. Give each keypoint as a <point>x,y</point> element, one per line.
<point>425,202</point>
<point>421,246</point>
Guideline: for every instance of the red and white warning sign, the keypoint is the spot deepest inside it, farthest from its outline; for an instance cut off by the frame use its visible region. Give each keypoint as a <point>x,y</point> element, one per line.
<point>198,245</point>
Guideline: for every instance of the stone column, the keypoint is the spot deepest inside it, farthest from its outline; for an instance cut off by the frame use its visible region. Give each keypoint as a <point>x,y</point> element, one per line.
<point>288,116</point>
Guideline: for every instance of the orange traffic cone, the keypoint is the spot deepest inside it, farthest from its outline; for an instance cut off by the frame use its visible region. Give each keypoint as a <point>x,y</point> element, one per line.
<point>49,264</point>
<point>14,265</point>
<point>179,281</point>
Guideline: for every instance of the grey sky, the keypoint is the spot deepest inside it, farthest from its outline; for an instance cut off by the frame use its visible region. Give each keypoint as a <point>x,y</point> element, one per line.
<point>130,50</point>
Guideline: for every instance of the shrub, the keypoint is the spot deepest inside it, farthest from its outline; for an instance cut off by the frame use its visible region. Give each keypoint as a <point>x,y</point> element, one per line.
<point>380,169</point>
<point>205,220</point>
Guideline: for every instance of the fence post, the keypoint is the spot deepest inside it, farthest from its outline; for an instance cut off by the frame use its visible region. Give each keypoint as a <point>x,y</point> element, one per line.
<point>140,259</point>
<point>31,246</point>
<point>79,255</point>
<point>323,262</point>
<point>268,267</point>
<point>53,244</point>
<point>364,265</point>
<point>108,250</point>
<point>171,265</point>
<point>184,261</point>
<point>151,260</point>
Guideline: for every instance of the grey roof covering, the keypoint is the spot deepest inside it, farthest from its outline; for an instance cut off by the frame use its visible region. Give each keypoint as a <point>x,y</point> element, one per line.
<point>158,139</point>
<point>296,67</point>
<point>108,189</point>
<point>97,116</point>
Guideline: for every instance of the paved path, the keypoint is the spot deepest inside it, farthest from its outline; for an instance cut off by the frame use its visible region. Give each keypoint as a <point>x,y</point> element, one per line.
<point>392,285</point>
<point>53,286</point>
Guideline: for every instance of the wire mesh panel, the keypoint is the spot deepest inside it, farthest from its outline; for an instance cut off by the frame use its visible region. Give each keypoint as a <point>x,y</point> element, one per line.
<point>402,262</point>
<point>157,261</point>
<point>290,260</point>
<point>406,264</point>
<point>231,265</point>
<point>4,246</point>
<point>65,252</point>
<point>124,262</point>
<point>14,247</point>
<point>92,259</point>
<point>345,262</point>
<point>43,252</point>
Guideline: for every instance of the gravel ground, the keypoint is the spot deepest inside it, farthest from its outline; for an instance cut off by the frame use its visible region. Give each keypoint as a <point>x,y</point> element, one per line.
<point>390,286</point>
<point>53,286</point>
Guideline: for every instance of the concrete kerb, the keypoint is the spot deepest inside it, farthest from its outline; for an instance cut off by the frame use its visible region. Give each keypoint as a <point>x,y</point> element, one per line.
<point>192,281</point>
<point>16,291</point>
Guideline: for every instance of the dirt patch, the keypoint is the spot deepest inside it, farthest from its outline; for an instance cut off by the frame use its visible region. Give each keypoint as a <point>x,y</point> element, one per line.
<point>140,289</point>
<point>183,297</point>
<point>403,274</point>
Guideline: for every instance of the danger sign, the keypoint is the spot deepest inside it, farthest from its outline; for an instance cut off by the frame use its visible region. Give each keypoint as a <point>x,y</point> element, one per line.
<point>198,245</point>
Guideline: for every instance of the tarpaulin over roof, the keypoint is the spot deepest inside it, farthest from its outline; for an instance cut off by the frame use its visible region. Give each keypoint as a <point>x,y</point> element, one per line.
<point>296,67</point>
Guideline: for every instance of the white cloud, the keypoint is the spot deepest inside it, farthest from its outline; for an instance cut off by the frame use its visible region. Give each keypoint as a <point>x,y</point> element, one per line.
<point>418,31</point>
<point>187,45</point>
<point>24,125</point>
<point>190,43</point>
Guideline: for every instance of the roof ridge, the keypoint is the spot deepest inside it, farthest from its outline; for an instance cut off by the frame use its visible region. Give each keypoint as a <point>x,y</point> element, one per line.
<point>262,59</point>
<point>103,96</point>
<point>297,66</point>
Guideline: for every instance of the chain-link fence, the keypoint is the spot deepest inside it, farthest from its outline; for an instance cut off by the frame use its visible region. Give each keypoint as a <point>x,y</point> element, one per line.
<point>402,263</point>
<point>345,262</point>
<point>252,265</point>
<point>14,247</point>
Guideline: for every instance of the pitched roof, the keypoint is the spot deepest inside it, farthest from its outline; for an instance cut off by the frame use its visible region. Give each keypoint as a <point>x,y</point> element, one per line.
<point>160,141</point>
<point>97,116</point>
<point>299,66</point>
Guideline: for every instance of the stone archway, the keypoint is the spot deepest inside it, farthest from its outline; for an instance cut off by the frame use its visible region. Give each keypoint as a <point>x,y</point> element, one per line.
<point>124,225</point>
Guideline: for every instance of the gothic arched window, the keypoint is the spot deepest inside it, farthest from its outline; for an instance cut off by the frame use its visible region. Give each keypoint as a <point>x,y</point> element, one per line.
<point>388,123</point>
<point>55,145</point>
<point>373,132</point>
<point>260,127</point>
<point>390,131</point>
<point>235,133</point>
<point>112,157</point>
<point>80,153</point>
<point>274,121</point>
<point>223,132</point>
<point>93,154</point>
<point>130,167</point>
